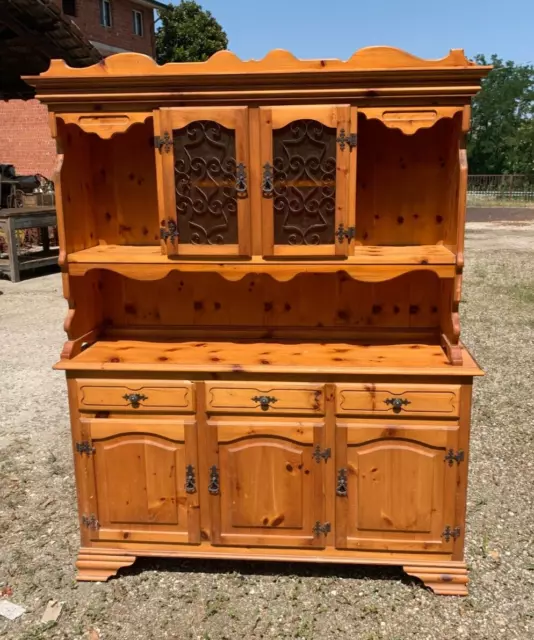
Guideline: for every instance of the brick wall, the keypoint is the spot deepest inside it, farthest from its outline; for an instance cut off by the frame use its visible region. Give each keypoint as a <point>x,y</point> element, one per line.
<point>120,34</point>
<point>25,139</point>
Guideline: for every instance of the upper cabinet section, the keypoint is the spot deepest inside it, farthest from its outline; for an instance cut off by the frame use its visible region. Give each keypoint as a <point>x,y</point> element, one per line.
<point>202,166</point>
<point>274,166</point>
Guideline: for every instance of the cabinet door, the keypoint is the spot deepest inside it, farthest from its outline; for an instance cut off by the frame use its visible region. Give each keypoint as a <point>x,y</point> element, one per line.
<point>202,165</point>
<point>395,487</point>
<point>145,484</point>
<point>306,162</point>
<point>266,487</point>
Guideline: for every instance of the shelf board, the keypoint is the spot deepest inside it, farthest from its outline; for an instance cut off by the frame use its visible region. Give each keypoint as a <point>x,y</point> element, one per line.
<point>368,263</point>
<point>289,357</point>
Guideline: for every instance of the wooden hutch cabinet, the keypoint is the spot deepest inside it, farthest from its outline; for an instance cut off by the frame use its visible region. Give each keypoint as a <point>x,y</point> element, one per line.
<point>263,264</point>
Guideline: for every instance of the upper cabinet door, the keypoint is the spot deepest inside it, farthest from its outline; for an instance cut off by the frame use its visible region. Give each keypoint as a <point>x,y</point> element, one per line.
<point>202,164</point>
<point>306,175</point>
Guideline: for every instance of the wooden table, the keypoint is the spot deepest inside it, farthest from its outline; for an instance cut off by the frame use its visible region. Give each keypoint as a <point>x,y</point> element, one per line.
<point>12,220</point>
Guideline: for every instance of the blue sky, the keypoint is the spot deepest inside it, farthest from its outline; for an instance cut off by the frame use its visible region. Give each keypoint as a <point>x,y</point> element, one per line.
<point>337,28</point>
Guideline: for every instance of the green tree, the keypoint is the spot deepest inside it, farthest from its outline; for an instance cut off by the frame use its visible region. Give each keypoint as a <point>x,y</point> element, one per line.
<point>502,129</point>
<point>188,33</point>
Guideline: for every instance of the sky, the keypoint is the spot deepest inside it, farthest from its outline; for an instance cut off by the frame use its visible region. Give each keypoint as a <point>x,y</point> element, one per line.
<point>337,28</point>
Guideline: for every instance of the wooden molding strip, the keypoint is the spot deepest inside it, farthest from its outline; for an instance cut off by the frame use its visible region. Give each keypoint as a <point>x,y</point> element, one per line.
<point>410,119</point>
<point>105,125</point>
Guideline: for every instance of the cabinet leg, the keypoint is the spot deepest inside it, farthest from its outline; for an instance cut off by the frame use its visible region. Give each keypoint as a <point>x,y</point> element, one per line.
<point>97,565</point>
<point>443,580</point>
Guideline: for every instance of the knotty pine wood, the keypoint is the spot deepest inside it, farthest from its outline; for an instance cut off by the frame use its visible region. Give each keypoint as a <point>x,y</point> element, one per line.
<point>208,300</point>
<point>330,331</point>
<point>419,205</point>
<point>267,357</point>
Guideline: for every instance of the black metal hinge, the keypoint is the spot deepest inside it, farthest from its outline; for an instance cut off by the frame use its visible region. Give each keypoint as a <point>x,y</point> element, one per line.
<point>164,142</point>
<point>350,140</point>
<point>319,529</point>
<point>343,233</point>
<point>449,533</point>
<point>90,521</point>
<point>341,489</point>
<point>452,457</point>
<point>321,454</point>
<point>190,480</point>
<point>85,447</point>
<point>213,486</point>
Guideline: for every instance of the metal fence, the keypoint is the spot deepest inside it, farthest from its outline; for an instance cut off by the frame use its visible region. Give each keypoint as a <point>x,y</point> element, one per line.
<point>500,190</point>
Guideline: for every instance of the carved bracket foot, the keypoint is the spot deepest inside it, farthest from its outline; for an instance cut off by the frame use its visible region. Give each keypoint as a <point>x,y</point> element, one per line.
<point>97,565</point>
<point>442,580</point>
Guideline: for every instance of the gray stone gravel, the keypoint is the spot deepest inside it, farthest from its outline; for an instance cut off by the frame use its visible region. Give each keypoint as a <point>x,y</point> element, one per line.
<point>187,599</point>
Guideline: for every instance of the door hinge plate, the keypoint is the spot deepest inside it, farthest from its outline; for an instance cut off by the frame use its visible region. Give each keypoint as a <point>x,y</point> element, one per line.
<point>350,140</point>
<point>85,447</point>
<point>449,533</point>
<point>321,529</point>
<point>452,457</point>
<point>321,454</point>
<point>345,233</point>
<point>163,143</point>
<point>90,522</point>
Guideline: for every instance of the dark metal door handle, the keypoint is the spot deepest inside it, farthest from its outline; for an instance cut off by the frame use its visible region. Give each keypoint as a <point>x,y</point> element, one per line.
<point>264,401</point>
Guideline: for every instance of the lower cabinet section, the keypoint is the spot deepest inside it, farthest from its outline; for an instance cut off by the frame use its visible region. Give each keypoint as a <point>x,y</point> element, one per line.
<point>267,482</point>
<point>395,487</point>
<point>144,480</point>
<point>323,487</point>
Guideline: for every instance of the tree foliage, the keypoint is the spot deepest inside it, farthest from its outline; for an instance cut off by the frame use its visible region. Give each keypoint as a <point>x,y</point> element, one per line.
<point>502,128</point>
<point>188,33</point>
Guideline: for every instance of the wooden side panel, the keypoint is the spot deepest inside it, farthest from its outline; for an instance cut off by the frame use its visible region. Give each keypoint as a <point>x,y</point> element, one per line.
<point>124,186</point>
<point>270,487</point>
<point>76,189</point>
<point>400,490</point>
<point>407,185</point>
<point>182,299</point>
<point>140,474</point>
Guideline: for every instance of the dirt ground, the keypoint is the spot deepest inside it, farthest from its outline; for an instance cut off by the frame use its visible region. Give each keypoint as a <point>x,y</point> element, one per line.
<point>199,600</point>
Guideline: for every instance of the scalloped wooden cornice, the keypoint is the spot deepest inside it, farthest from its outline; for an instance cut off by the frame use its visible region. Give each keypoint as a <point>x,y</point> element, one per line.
<point>276,61</point>
<point>369,76</point>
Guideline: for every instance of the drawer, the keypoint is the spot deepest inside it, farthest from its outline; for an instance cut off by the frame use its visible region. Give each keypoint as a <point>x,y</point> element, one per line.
<point>264,398</point>
<point>135,395</point>
<point>425,400</point>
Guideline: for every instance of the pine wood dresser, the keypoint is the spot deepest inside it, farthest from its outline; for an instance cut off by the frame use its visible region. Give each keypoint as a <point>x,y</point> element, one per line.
<point>263,265</point>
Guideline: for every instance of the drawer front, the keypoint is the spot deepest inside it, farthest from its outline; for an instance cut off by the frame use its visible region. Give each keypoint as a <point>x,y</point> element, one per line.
<point>425,400</point>
<point>135,395</point>
<point>265,398</point>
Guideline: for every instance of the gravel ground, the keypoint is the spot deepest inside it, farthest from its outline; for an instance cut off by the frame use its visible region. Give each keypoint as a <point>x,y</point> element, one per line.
<point>189,599</point>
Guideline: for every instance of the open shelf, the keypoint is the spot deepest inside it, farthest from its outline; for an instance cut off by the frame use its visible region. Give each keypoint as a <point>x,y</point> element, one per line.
<point>246,356</point>
<point>368,263</point>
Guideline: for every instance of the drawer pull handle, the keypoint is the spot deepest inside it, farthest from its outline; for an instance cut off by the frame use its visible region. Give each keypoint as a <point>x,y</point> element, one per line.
<point>264,401</point>
<point>213,486</point>
<point>134,399</point>
<point>397,403</point>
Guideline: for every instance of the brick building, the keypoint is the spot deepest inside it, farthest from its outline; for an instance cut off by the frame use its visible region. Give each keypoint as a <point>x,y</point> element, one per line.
<point>104,26</point>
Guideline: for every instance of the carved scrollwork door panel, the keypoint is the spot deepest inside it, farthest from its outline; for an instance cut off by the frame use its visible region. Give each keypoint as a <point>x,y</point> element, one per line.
<point>305,179</point>
<point>204,166</point>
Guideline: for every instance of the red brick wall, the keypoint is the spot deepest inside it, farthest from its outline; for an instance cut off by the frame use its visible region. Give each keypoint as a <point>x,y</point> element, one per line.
<point>120,34</point>
<point>25,139</point>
